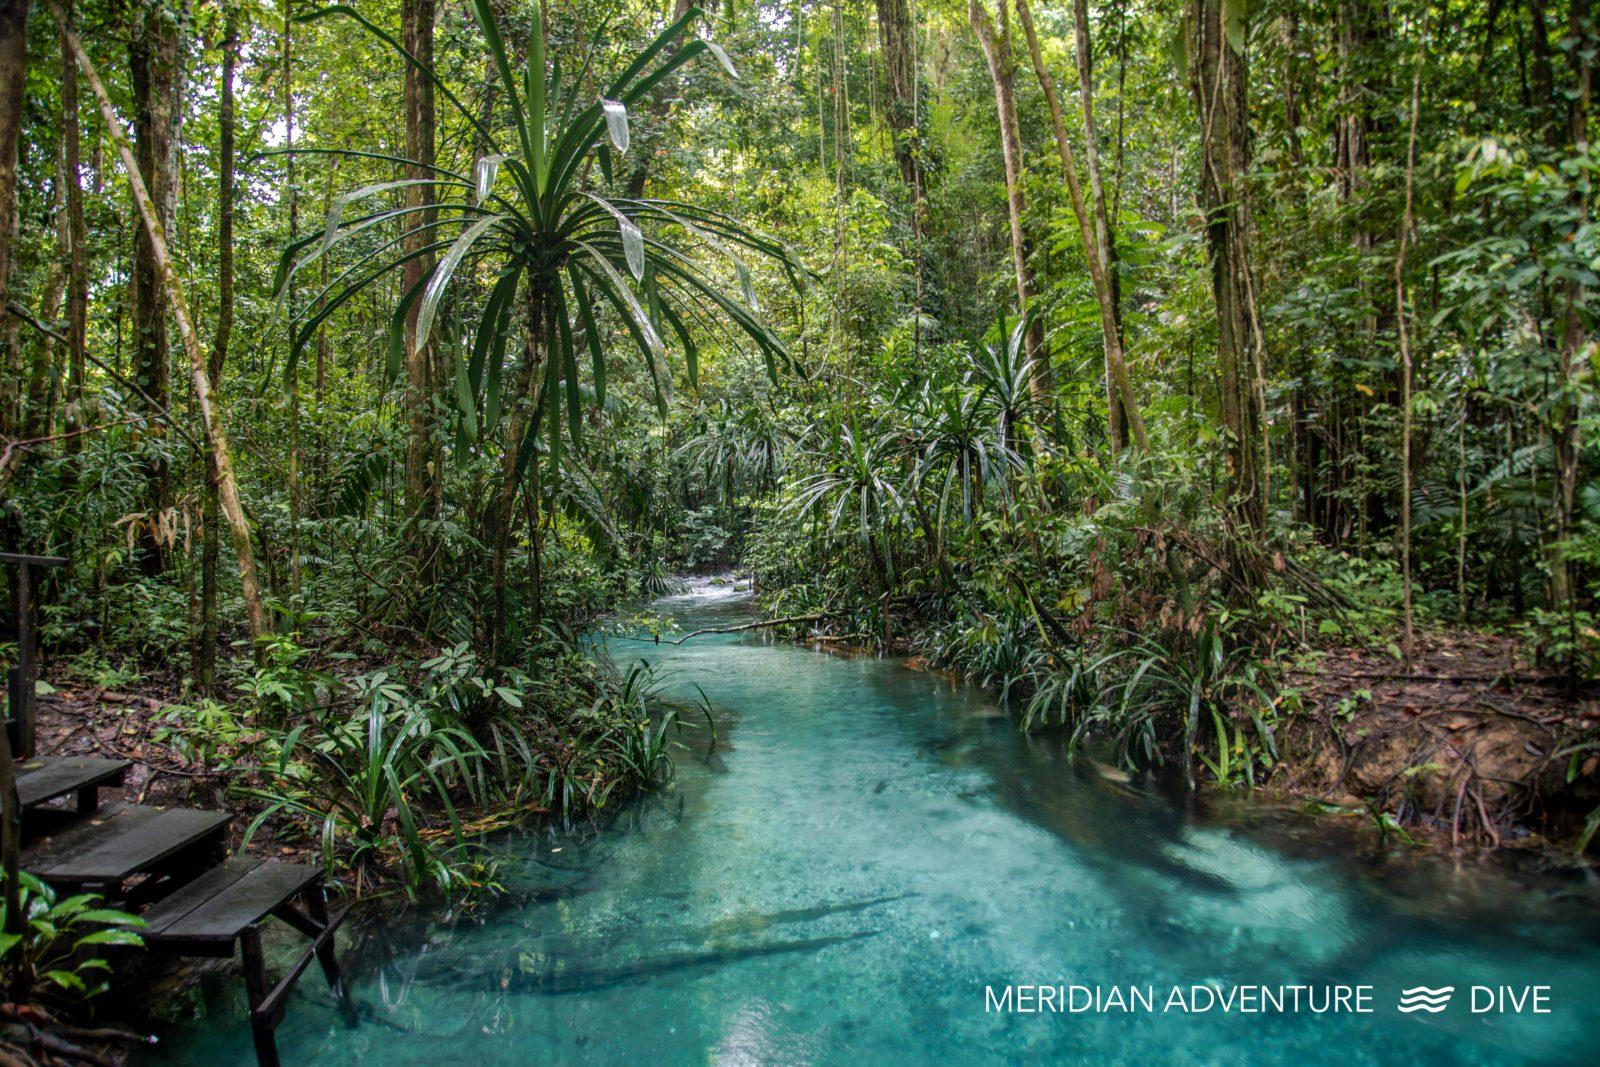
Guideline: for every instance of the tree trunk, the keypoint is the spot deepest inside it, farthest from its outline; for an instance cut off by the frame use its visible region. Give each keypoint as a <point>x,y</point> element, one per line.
<point>1122,406</point>
<point>996,43</point>
<point>13,69</point>
<point>416,17</point>
<point>153,64</point>
<point>895,34</point>
<point>1544,81</point>
<point>1574,334</point>
<point>78,265</point>
<point>1407,222</point>
<point>521,420</point>
<point>210,549</point>
<point>1218,78</point>
<point>13,61</point>
<point>40,416</point>
<point>292,199</point>
<point>210,412</point>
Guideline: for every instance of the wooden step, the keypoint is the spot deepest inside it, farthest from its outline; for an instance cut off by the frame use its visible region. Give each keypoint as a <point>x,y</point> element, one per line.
<point>44,778</point>
<point>120,841</point>
<point>207,915</point>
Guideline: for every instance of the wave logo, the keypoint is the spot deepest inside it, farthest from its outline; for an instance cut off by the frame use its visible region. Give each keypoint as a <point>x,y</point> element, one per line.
<point>1421,998</point>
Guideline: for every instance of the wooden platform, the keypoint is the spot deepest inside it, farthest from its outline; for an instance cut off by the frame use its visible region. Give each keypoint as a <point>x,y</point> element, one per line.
<point>120,841</point>
<point>44,778</point>
<point>205,917</point>
<point>172,859</point>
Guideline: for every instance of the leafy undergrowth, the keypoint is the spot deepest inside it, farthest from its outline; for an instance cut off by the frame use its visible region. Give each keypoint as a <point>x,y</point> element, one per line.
<point>396,777</point>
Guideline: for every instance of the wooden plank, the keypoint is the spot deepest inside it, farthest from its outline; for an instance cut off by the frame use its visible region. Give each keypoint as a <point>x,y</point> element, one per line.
<point>32,561</point>
<point>246,900</point>
<point>120,849</point>
<point>44,778</point>
<point>169,910</point>
<point>83,834</point>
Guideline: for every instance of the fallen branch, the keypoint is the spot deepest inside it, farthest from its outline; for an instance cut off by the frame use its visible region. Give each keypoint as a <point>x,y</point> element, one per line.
<point>790,621</point>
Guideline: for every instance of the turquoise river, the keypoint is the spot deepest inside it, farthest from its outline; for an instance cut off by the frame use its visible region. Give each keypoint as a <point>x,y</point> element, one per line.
<point>870,853</point>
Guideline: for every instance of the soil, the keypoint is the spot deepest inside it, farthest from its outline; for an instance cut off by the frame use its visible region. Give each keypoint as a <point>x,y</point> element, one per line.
<point>79,721</point>
<point>1472,748</point>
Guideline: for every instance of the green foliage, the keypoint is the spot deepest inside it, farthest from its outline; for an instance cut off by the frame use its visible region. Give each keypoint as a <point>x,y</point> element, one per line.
<point>567,247</point>
<point>55,954</point>
<point>371,776</point>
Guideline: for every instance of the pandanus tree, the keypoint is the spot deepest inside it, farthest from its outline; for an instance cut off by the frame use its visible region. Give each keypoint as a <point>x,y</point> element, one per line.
<point>536,228</point>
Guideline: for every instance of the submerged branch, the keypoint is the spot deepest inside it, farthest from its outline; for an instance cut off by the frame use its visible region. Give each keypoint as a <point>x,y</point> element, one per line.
<point>791,620</point>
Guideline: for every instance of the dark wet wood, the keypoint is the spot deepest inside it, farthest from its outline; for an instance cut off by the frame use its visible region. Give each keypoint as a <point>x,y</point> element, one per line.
<point>121,841</point>
<point>268,1011</point>
<point>32,561</point>
<point>44,778</point>
<point>208,914</point>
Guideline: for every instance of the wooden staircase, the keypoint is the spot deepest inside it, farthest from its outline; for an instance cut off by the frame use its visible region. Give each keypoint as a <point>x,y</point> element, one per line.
<point>170,862</point>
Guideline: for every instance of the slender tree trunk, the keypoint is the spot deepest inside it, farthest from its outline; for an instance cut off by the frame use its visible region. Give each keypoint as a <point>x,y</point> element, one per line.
<point>521,420</point>
<point>1122,405</point>
<point>1544,80</point>
<point>40,420</point>
<point>1217,74</point>
<point>319,457</point>
<point>210,549</point>
<point>996,43</point>
<point>13,69</point>
<point>416,18</point>
<point>153,64</point>
<point>1407,223</point>
<point>211,415</point>
<point>1104,231</point>
<point>1574,335</point>
<point>13,63</point>
<point>78,265</point>
<point>895,34</point>
<point>292,198</point>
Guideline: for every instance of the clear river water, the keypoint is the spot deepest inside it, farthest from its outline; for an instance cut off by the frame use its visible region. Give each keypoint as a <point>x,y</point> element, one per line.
<point>869,853</point>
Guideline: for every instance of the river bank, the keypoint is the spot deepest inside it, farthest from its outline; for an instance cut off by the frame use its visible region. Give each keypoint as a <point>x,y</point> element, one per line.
<point>849,798</point>
<point>1473,747</point>
<point>867,846</point>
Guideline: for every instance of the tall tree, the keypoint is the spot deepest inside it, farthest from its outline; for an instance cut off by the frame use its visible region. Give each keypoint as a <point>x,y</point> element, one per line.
<point>996,43</point>
<point>153,66</point>
<point>78,262</point>
<point>292,199</point>
<point>416,19</point>
<point>896,35</point>
<point>1574,327</point>
<point>205,657</point>
<point>13,70</point>
<point>40,414</point>
<point>1407,224</point>
<point>1122,406</point>
<point>211,416</point>
<point>1218,78</point>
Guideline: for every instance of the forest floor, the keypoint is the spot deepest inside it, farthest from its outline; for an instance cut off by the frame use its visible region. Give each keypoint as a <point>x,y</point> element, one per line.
<point>91,721</point>
<point>1471,748</point>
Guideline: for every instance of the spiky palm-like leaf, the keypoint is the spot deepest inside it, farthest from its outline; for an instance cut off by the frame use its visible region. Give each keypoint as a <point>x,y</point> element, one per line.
<point>527,224</point>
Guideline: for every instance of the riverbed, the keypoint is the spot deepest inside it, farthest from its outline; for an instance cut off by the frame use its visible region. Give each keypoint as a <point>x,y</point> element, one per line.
<point>870,857</point>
